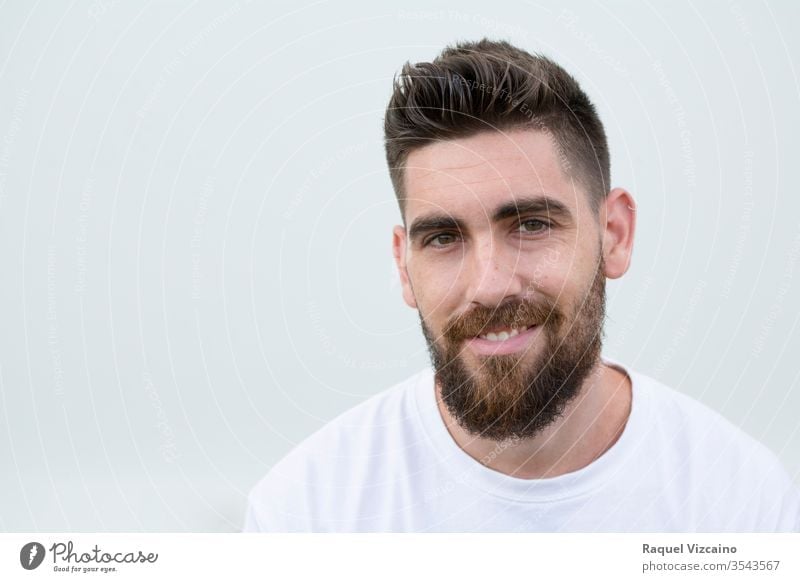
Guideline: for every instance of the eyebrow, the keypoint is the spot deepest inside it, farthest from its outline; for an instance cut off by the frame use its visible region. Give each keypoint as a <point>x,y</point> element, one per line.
<point>527,205</point>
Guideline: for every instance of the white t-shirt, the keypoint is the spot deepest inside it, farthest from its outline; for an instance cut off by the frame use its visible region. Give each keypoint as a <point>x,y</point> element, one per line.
<point>390,464</point>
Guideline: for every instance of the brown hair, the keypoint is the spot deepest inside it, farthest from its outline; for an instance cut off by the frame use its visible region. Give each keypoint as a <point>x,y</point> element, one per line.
<point>492,85</point>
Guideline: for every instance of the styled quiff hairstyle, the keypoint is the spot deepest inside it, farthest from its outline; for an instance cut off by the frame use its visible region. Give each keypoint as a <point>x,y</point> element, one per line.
<point>472,87</point>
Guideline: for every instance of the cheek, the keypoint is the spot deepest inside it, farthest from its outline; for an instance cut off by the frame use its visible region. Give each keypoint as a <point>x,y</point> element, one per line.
<point>437,290</point>
<point>554,274</point>
<point>563,282</point>
<point>546,276</point>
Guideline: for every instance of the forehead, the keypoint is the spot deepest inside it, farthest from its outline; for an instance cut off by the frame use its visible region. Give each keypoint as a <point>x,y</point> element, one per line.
<point>479,173</point>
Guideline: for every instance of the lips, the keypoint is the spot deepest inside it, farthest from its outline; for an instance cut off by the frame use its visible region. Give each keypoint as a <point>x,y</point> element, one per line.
<point>502,334</point>
<point>503,341</point>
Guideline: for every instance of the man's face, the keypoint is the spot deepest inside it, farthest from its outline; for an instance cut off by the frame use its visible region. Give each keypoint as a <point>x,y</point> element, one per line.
<point>502,258</point>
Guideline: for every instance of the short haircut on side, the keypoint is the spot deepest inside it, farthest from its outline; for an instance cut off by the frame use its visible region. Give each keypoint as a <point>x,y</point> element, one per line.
<point>472,87</point>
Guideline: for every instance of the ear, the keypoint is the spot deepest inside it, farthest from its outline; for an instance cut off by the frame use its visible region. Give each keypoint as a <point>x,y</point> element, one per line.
<point>619,216</point>
<point>399,252</point>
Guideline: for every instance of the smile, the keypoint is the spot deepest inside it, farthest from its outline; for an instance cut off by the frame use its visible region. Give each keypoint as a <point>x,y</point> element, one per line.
<point>503,341</point>
<point>503,335</point>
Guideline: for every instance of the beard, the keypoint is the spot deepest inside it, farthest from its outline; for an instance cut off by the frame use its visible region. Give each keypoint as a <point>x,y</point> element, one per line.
<point>507,397</point>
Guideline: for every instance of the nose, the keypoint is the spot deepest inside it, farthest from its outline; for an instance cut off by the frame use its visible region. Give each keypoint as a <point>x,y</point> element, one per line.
<point>492,271</point>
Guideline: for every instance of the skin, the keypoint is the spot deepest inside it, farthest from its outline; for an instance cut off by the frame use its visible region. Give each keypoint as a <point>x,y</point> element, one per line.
<point>446,272</point>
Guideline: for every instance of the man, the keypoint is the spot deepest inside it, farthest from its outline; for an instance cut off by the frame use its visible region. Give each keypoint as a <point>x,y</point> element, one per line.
<point>501,169</point>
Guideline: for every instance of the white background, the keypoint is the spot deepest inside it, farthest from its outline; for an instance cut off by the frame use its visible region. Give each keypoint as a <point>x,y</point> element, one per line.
<point>195,226</point>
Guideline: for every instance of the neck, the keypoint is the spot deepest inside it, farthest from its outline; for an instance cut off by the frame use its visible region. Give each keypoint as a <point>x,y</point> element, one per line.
<point>591,423</point>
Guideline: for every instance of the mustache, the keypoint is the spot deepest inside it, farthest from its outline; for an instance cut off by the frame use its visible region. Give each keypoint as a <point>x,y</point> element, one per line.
<point>516,313</point>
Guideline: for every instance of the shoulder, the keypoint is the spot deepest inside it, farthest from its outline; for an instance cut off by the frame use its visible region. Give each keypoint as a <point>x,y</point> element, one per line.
<point>698,427</point>
<point>331,460</point>
<point>718,460</point>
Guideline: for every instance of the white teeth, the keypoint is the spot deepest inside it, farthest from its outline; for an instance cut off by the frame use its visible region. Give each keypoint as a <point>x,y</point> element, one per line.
<point>503,335</point>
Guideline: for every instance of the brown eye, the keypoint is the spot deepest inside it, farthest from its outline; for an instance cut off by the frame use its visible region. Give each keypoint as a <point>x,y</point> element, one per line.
<point>441,240</point>
<point>533,225</point>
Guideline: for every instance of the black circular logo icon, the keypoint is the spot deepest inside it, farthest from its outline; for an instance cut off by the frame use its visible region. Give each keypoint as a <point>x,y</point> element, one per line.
<point>31,555</point>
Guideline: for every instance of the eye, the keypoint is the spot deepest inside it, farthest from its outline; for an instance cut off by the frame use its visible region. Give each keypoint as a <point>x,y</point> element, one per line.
<point>441,240</point>
<point>533,225</point>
